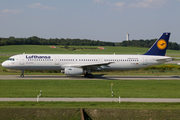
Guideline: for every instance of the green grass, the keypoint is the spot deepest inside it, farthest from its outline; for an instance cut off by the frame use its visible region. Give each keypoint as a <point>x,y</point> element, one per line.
<point>45,49</point>
<point>88,88</point>
<point>89,114</point>
<point>39,114</point>
<point>157,113</point>
<point>3,58</point>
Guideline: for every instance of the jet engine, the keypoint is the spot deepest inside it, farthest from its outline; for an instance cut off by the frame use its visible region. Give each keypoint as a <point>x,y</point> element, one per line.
<point>73,71</point>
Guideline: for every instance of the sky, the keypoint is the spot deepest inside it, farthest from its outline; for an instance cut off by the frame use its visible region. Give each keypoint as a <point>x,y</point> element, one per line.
<point>104,20</point>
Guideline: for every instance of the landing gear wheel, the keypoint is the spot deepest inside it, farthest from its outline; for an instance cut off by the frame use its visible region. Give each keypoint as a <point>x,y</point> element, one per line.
<point>86,75</point>
<point>90,76</point>
<point>21,75</point>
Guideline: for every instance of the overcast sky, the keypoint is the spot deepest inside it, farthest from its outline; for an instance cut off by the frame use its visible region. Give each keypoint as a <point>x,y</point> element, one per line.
<point>104,20</point>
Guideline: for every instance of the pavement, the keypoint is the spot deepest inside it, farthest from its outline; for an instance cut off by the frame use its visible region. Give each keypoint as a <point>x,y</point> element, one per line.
<point>96,77</point>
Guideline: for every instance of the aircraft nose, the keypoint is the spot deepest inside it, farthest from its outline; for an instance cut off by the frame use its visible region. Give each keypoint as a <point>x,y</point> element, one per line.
<point>4,64</point>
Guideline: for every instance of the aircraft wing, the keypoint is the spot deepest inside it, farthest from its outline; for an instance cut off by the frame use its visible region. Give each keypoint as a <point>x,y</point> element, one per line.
<point>95,64</point>
<point>88,65</point>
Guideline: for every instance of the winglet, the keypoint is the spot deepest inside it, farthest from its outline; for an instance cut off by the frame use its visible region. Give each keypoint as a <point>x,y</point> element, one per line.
<point>160,46</point>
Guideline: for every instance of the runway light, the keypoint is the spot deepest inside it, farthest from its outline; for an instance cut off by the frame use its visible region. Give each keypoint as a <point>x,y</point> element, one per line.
<point>37,98</point>
<point>119,99</point>
<point>40,92</point>
<point>111,86</point>
<point>111,90</point>
<point>39,95</point>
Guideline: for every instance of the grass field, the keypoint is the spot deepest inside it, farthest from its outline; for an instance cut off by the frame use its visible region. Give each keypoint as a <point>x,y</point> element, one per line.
<point>3,58</point>
<point>39,114</point>
<point>92,110</point>
<point>90,88</point>
<point>89,114</point>
<point>45,49</point>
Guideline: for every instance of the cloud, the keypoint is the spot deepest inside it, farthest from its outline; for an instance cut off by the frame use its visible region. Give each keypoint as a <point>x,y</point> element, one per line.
<point>98,1</point>
<point>148,4</point>
<point>40,6</point>
<point>141,5</point>
<point>101,1</point>
<point>113,6</point>
<point>9,11</point>
<point>119,4</point>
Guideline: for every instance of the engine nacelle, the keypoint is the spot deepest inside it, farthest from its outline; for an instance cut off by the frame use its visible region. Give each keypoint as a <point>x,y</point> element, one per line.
<point>73,71</point>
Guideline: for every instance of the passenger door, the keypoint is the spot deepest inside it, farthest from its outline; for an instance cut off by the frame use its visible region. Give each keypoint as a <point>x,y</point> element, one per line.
<point>57,60</point>
<point>144,60</point>
<point>21,60</point>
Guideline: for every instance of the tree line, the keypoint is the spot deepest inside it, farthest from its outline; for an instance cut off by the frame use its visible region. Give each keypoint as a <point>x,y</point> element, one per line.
<point>148,43</point>
<point>80,42</point>
<point>41,41</point>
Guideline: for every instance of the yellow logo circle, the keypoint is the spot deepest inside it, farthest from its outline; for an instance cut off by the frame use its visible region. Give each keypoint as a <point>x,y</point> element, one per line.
<point>161,44</point>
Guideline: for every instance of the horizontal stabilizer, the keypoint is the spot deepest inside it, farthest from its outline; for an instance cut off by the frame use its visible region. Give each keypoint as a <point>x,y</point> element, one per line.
<point>165,59</point>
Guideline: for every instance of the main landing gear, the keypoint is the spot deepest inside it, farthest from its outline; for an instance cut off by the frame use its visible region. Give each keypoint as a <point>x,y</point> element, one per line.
<point>89,75</point>
<point>22,73</point>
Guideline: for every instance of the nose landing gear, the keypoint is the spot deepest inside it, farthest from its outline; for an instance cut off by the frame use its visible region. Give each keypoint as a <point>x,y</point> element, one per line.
<point>22,73</point>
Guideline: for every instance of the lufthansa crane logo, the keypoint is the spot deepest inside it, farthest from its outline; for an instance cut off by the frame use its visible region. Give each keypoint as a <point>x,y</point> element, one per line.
<point>161,44</point>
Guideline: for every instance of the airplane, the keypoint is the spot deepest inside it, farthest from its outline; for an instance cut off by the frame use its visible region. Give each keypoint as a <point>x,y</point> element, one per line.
<point>84,64</point>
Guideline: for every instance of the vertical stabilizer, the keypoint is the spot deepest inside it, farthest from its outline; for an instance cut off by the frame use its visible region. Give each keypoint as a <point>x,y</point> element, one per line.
<point>160,46</point>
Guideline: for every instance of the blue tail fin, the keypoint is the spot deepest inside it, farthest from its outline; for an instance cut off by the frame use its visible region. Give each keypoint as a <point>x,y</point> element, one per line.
<point>160,46</point>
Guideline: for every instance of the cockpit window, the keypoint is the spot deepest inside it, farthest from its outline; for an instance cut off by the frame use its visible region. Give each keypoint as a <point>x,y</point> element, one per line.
<point>11,59</point>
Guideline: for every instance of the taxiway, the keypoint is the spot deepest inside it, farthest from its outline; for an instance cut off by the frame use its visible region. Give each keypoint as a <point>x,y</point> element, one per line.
<point>96,77</point>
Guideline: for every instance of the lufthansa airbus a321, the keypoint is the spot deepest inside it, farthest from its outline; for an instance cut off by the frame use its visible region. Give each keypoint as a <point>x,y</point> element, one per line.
<point>79,64</point>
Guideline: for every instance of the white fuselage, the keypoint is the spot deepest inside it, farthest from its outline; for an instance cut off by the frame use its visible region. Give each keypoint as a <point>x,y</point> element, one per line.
<point>62,61</point>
